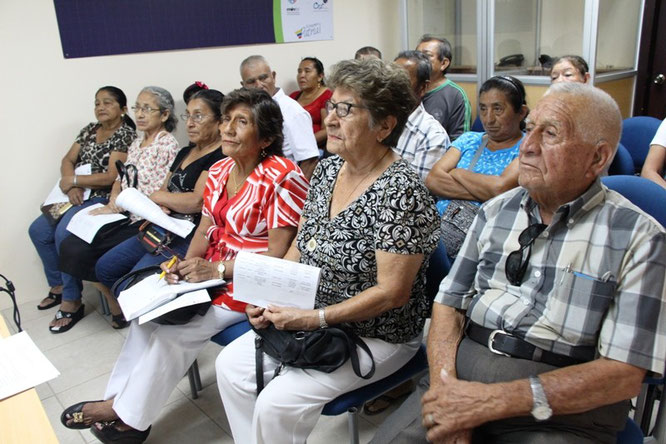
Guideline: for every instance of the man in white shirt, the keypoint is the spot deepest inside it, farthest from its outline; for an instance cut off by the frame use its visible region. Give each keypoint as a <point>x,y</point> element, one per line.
<point>299,141</point>
<point>423,141</point>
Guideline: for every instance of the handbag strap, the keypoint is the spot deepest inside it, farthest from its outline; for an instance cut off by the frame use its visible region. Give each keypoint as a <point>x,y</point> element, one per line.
<point>479,151</point>
<point>133,274</point>
<point>353,355</point>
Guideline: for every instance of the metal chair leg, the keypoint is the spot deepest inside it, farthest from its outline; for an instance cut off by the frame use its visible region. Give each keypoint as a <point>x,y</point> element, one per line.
<point>193,376</point>
<point>104,304</point>
<point>352,420</point>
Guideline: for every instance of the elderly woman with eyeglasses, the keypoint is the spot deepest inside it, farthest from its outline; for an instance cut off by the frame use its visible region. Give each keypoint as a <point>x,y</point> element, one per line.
<point>370,225</point>
<point>150,156</point>
<point>181,195</point>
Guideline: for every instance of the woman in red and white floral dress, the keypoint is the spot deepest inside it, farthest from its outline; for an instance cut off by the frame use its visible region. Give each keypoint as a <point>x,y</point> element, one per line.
<point>252,202</point>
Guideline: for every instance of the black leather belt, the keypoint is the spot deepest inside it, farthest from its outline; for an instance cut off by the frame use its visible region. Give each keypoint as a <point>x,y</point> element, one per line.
<point>503,343</point>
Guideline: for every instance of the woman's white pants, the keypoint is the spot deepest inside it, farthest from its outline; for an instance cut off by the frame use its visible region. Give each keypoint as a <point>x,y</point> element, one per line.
<point>154,359</point>
<point>289,406</point>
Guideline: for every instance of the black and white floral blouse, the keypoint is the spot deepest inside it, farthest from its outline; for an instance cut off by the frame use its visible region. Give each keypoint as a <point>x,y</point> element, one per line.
<point>395,214</point>
<point>97,154</point>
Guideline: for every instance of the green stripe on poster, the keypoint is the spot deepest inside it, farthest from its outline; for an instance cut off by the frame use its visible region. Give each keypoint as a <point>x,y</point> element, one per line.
<point>277,21</point>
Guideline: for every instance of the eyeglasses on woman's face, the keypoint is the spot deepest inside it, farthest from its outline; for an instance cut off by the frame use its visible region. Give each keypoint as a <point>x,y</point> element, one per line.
<point>342,109</point>
<point>196,117</point>
<point>145,109</point>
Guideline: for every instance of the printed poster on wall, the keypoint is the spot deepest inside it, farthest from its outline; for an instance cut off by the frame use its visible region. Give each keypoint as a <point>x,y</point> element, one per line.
<point>104,27</point>
<point>306,20</point>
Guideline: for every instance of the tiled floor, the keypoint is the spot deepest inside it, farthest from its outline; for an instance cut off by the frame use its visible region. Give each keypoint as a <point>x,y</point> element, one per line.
<point>85,356</point>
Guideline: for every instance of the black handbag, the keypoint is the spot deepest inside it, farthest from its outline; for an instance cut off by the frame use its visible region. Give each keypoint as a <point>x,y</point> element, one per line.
<point>178,316</point>
<point>324,350</point>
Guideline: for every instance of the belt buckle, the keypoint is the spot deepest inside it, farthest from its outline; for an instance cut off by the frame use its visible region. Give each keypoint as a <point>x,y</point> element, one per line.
<point>491,338</point>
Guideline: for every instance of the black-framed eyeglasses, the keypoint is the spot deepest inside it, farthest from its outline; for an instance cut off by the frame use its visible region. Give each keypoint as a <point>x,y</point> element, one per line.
<point>516,263</point>
<point>341,108</point>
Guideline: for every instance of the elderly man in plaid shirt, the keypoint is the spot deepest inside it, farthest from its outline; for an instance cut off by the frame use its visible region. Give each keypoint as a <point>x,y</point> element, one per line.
<point>554,309</point>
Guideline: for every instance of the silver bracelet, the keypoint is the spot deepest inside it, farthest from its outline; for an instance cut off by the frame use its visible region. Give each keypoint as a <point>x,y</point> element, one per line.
<point>322,318</point>
<point>75,180</point>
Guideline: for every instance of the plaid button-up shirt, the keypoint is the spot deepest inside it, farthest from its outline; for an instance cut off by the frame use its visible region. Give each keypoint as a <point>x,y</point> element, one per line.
<point>423,141</point>
<point>596,277</point>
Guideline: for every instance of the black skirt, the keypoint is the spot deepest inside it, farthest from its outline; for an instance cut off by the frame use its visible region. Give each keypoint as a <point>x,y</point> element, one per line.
<point>78,258</point>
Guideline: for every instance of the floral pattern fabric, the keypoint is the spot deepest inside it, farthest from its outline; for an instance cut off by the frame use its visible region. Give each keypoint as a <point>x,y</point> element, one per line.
<point>395,214</point>
<point>97,154</point>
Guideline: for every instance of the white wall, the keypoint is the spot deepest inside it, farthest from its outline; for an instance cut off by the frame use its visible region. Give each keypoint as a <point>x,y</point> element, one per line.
<point>45,100</point>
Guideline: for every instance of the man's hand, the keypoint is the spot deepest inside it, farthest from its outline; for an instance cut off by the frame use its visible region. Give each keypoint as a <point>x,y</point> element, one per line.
<point>452,408</point>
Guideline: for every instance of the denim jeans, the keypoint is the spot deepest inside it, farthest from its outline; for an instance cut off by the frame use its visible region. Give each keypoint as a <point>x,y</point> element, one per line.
<point>47,239</point>
<point>131,255</point>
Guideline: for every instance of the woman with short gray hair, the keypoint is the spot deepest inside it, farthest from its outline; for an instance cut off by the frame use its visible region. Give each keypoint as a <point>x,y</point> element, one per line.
<point>370,225</point>
<point>147,165</point>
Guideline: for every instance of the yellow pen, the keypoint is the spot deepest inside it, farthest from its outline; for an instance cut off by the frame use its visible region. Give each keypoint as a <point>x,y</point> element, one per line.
<point>169,265</point>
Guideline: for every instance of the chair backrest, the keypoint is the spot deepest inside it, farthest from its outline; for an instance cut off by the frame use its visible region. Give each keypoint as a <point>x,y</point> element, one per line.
<point>622,163</point>
<point>477,125</point>
<point>637,133</point>
<point>438,268</point>
<point>643,193</point>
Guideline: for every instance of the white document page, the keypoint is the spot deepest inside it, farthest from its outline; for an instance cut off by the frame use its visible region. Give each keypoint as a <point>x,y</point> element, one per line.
<point>86,226</point>
<point>57,196</point>
<point>153,292</point>
<point>23,365</point>
<point>191,298</point>
<point>261,280</point>
<point>138,203</point>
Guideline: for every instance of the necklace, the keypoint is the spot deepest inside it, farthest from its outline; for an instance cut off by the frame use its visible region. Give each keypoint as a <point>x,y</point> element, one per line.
<point>312,243</point>
<point>236,186</point>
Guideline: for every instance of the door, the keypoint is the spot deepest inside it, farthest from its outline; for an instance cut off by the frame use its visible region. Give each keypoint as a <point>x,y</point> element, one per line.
<point>650,97</point>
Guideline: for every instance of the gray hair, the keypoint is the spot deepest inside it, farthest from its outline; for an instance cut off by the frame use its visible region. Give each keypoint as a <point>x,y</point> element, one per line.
<point>384,89</point>
<point>165,102</point>
<point>604,123</point>
<point>252,60</point>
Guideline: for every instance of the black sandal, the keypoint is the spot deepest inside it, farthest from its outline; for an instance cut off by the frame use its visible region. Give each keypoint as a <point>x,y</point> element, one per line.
<point>109,434</point>
<point>74,414</point>
<point>120,321</point>
<point>73,317</point>
<point>56,299</point>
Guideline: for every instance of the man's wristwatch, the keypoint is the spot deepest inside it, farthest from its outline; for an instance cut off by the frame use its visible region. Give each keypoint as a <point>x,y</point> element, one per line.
<point>220,270</point>
<point>541,410</point>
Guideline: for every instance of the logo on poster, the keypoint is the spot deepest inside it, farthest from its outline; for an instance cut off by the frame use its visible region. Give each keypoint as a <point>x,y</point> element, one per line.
<point>320,5</point>
<point>308,30</point>
<point>291,2</point>
<point>293,11</point>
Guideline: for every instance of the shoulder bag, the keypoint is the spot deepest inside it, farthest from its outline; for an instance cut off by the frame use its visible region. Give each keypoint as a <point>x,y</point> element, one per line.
<point>325,350</point>
<point>460,214</point>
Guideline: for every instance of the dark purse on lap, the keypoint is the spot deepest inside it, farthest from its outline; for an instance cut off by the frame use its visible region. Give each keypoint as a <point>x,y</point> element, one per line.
<point>178,316</point>
<point>325,350</point>
<point>53,212</point>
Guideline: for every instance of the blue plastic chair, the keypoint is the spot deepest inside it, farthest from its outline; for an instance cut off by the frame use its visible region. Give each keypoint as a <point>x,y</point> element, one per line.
<point>637,133</point>
<point>622,163</point>
<point>477,126</point>
<point>643,193</point>
<point>351,402</point>
<point>631,434</point>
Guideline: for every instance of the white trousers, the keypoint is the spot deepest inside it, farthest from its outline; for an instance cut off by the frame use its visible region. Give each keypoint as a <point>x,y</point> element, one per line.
<point>154,359</point>
<point>289,406</point>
